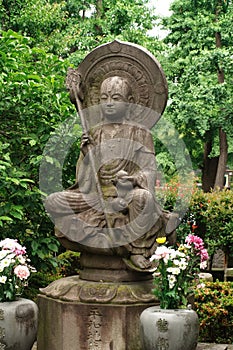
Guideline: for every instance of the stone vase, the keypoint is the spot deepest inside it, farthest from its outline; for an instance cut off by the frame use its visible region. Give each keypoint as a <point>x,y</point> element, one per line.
<point>165,329</point>
<point>18,324</point>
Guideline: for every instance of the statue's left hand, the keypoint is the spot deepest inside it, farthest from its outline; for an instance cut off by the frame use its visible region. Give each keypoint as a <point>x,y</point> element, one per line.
<point>119,204</point>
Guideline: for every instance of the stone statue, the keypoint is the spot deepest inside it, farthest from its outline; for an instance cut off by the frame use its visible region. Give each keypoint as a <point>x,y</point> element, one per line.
<point>112,209</point>
<point>110,214</point>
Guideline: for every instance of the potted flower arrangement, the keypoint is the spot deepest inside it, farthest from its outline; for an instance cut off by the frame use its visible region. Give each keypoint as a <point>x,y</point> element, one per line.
<point>176,273</point>
<point>16,313</point>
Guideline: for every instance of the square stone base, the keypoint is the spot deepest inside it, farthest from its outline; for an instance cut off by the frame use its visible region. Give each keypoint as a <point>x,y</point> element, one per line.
<point>77,326</point>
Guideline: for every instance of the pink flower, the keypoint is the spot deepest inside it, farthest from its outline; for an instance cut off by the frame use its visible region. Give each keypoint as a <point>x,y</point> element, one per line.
<point>195,240</point>
<point>204,255</point>
<point>22,272</point>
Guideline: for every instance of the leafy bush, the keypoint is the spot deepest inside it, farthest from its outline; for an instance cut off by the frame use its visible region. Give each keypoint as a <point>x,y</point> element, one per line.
<point>212,213</point>
<point>38,280</point>
<point>33,101</point>
<point>69,263</point>
<point>208,215</point>
<point>214,306</point>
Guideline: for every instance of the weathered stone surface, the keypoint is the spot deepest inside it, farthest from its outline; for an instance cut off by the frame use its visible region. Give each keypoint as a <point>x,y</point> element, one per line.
<point>120,92</point>
<point>74,289</point>
<point>94,326</point>
<point>202,346</point>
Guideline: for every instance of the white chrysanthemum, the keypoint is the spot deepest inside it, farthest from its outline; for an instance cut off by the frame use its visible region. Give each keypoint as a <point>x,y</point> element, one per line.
<point>4,253</point>
<point>183,264</point>
<point>176,262</point>
<point>5,263</point>
<point>3,279</point>
<point>21,259</point>
<point>173,270</point>
<point>8,243</point>
<point>180,254</point>
<point>172,281</point>
<point>173,254</point>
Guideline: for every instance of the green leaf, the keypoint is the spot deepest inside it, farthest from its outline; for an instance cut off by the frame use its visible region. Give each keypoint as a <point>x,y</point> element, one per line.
<point>32,142</point>
<point>5,218</point>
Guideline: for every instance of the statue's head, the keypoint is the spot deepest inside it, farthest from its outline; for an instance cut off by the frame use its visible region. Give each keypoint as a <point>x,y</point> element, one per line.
<point>115,96</point>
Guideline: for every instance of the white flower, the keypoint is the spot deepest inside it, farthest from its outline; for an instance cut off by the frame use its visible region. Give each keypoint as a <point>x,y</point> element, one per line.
<point>21,259</point>
<point>180,254</point>
<point>173,270</point>
<point>172,281</point>
<point>8,243</point>
<point>22,272</point>
<point>203,265</point>
<point>183,264</point>
<point>3,253</point>
<point>162,252</point>
<point>176,262</point>
<point>5,263</point>
<point>173,254</point>
<point>3,279</point>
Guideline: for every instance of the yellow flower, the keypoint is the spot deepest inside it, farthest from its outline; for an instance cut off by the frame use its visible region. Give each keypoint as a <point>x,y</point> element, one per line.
<point>161,240</point>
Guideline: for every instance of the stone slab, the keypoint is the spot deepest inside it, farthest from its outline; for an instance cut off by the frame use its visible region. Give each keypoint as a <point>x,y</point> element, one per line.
<point>204,346</point>
<point>200,346</point>
<point>86,326</point>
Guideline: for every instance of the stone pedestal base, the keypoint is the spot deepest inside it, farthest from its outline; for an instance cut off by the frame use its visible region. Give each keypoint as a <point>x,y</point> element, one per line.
<point>69,325</point>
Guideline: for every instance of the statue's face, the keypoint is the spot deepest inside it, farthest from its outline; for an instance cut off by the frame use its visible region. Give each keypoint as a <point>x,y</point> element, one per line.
<point>114,98</point>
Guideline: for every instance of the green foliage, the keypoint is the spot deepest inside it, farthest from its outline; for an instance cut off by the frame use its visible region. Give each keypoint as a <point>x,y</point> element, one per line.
<point>37,281</point>
<point>35,106</point>
<point>214,306</point>
<point>33,101</point>
<point>69,263</point>
<point>176,193</point>
<point>213,214</point>
<point>199,104</point>
<point>209,215</point>
<point>73,28</point>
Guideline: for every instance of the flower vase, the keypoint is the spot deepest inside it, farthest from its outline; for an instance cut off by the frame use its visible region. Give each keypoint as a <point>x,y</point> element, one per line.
<point>168,329</point>
<point>18,324</point>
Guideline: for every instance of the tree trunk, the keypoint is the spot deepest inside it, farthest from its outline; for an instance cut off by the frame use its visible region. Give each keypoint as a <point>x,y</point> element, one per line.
<point>222,161</point>
<point>99,13</point>
<point>214,168</point>
<point>209,165</point>
<point>99,7</point>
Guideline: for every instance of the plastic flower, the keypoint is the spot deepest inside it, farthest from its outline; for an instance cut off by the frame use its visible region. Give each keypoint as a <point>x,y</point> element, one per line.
<point>14,269</point>
<point>177,270</point>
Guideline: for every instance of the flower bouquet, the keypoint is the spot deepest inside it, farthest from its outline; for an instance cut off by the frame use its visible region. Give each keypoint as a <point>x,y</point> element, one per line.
<point>177,271</point>
<point>14,269</point>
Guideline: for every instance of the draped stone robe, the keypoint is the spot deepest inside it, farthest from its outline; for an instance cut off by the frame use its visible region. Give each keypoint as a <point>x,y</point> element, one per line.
<point>84,215</point>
